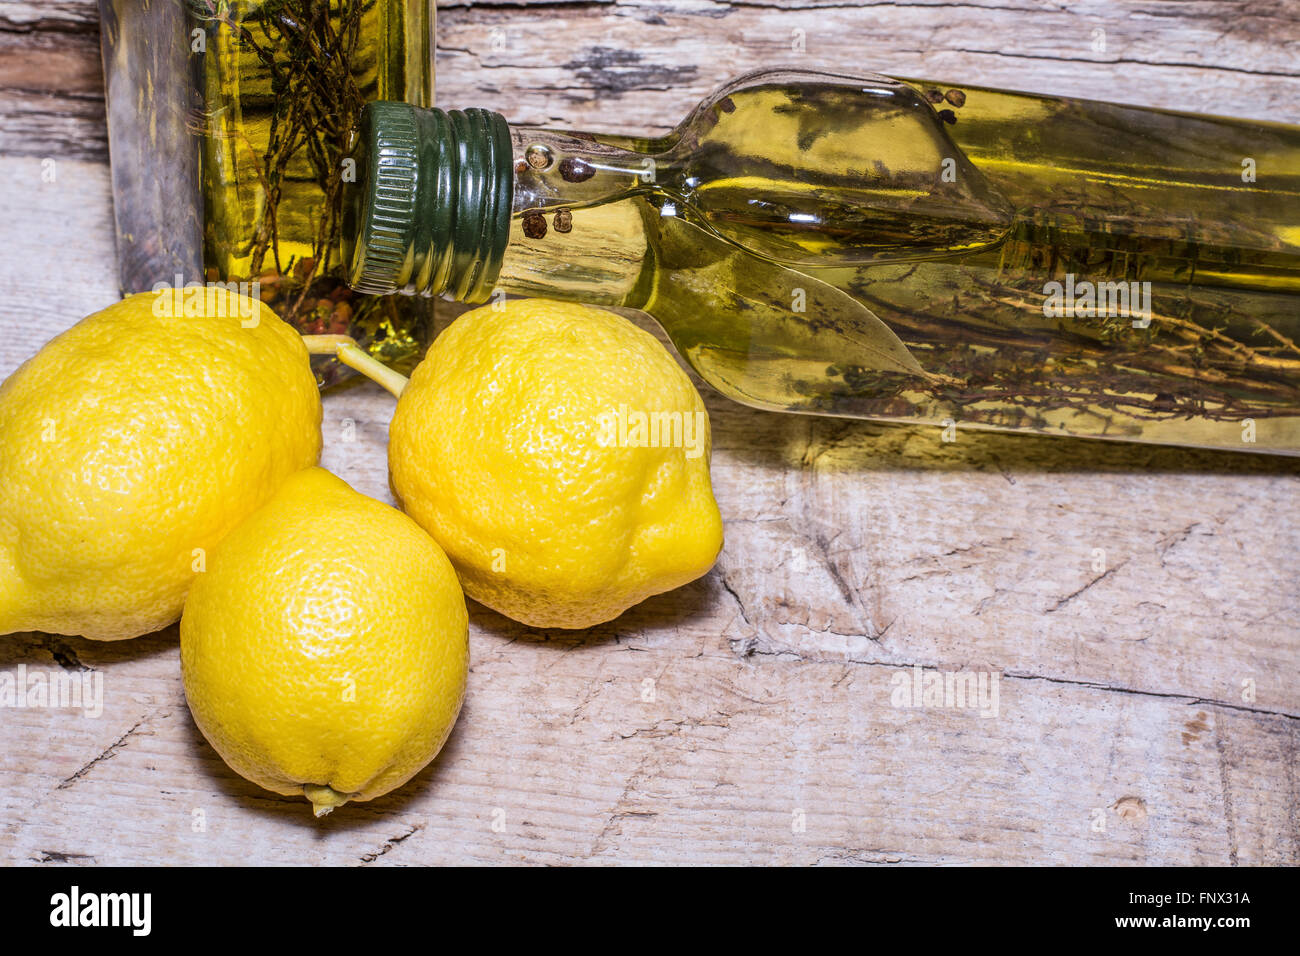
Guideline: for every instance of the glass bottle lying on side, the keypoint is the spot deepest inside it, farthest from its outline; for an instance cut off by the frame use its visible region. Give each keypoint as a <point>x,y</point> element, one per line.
<point>890,249</point>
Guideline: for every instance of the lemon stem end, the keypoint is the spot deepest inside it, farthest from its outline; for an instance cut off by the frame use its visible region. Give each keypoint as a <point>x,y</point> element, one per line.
<point>324,798</point>
<point>347,351</point>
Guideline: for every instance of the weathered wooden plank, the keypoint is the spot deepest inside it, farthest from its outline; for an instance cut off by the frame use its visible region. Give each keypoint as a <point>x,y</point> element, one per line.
<point>51,80</point>
<point>561,749</point>
<point>44,124</point>
<point>57,216</point>
<point>630,66</point>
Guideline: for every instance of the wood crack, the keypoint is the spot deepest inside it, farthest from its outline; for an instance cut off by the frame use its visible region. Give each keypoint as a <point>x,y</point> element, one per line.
<point>388,845</point>
<point>1225,789</point>
<point>58,856</point>
<point>1123,61</point>
<point>106,754</point>
<point>1099,578</point>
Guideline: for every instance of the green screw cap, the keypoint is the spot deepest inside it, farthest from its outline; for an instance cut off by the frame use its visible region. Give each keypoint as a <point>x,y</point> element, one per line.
<point>429,212</point>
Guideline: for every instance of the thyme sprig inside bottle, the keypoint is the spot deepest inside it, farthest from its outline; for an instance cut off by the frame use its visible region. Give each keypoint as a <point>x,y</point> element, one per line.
<point>871,247</point>
<point>283,85</point>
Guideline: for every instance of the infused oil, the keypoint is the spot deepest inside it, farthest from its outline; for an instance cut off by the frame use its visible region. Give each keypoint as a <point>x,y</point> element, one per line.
<point>283,84</point>
<point>1010,261</point>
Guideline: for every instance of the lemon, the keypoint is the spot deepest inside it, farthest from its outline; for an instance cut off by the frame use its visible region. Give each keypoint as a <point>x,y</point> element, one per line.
<point>560,456</point>
<point>326,648</point>
<point>130,445</point>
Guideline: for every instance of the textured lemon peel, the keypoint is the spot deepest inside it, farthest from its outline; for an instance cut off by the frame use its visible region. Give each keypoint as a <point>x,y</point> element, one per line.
<point>262,694</point>
<point>494,475</point>
<point>11,608</point>
<point>68,584</point>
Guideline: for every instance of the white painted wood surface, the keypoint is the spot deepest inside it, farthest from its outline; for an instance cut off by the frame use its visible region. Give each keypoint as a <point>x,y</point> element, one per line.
<point>854,551</point>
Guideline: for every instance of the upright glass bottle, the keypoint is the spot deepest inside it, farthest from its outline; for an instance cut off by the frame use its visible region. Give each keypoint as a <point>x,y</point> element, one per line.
<point>243,115</point>
<point>892,249</point>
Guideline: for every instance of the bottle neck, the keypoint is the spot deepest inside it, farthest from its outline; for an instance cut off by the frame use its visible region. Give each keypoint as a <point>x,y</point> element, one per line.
<point>428,208</point>
<point>579,228</point>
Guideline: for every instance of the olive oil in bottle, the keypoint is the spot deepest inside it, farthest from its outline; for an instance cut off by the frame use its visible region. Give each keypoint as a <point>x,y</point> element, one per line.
<point>285,81</point>
<point>228,123</point>
<point>870,247</point>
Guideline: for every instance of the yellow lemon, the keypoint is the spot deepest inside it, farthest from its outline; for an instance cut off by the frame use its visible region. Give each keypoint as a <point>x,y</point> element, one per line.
<point>326,648</point>
<point>130,445</point>
<point>560,456</point>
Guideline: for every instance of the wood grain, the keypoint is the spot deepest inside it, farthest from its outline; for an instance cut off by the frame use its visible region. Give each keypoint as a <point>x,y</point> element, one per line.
<point>1139,605</point>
